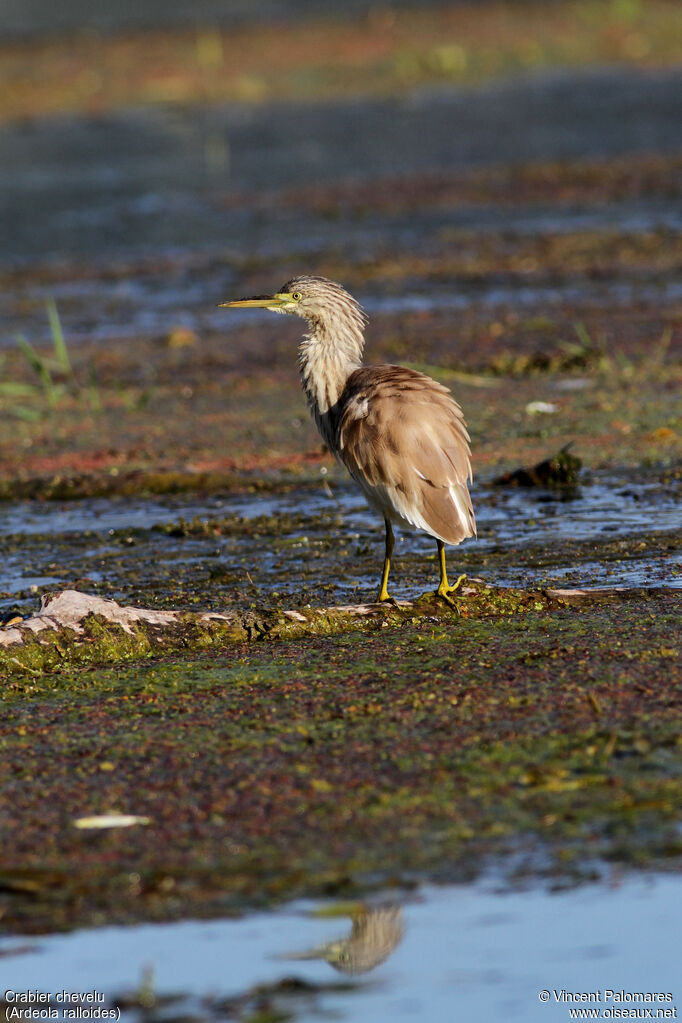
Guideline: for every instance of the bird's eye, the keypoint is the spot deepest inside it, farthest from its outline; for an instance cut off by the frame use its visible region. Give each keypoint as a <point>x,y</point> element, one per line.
<point>297,296</point>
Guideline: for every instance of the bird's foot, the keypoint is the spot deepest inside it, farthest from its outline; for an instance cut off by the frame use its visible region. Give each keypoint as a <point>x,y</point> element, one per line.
<point>460,580</point>
<point>454,604</point>
<point>444,592</point>
<point>384,597</point>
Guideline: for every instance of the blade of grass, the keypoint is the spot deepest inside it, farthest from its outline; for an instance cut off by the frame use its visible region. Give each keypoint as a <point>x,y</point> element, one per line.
<point>40,367</point>
<point>29,415</point>
<point>11,390</point>
<point>58,341</point>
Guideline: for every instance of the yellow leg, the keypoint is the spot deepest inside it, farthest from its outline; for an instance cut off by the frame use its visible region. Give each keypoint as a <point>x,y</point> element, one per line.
<point>444,589</point>
<point>383,589</point>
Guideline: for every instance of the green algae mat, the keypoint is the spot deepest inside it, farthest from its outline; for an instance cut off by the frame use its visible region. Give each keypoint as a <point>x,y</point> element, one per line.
<point>419,748</point>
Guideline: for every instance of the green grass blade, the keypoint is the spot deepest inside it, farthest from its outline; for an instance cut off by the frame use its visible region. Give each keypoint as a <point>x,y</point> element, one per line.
<point>39,366</point>
<point>9,389</point>
<point>29,415</point>
<point>93,393</point>
<point>584,337</point>
<point>30,354</point>
<point>58,341</point>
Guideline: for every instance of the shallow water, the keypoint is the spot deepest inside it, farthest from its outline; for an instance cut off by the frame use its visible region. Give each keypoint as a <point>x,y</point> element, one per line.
<point>619,505</point>
<point>323,545</point>
<point>103,310</point>
<point>470,952</point>
<point>44,16</point>
<point>144,181</point>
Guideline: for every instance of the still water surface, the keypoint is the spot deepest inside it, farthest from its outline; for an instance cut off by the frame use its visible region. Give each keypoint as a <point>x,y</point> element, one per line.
<point>468,952</point>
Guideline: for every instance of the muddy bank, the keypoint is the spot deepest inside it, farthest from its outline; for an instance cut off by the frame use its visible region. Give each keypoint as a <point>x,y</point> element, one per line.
<point>545,292</point>
<point>209,415</point>
<point>334,765</point>
<point>548,282</point>
<point>288,547</point>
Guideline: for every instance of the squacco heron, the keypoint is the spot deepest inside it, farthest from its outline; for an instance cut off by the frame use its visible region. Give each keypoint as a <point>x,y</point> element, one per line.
<point>375,934</point>
<point>400,434</point>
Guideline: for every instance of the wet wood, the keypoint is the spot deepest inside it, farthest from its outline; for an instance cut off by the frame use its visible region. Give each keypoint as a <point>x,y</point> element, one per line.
<point>74,627</point>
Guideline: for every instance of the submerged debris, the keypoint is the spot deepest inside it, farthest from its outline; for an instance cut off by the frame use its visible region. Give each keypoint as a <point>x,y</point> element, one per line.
<point>560,471</point>
<point>103,822</point>
<point>537,408</point>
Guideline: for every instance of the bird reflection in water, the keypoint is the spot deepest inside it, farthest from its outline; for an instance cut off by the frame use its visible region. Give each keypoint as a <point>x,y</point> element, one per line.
<point>375,934</point>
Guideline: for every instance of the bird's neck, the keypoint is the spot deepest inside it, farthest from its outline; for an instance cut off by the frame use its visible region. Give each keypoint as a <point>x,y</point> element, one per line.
<point>327,356</point>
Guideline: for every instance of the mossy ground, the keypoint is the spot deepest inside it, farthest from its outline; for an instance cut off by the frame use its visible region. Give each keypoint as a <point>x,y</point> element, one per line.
<point>331,764</point>
<point>334,763</point>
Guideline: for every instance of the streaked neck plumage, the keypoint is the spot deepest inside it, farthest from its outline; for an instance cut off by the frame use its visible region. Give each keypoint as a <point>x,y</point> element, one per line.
<point>327,355</point>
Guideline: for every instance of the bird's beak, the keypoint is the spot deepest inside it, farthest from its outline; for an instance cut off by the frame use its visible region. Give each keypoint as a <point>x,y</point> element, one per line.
<point>276,303</point>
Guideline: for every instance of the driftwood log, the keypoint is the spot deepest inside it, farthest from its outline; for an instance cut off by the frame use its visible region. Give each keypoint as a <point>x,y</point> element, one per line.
<point>76,628</point>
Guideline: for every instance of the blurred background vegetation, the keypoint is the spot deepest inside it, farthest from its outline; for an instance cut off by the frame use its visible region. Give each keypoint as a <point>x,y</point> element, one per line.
<point>97,56</point>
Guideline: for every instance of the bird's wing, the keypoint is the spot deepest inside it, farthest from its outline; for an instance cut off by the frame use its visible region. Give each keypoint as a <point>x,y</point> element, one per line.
<point>403,435</point>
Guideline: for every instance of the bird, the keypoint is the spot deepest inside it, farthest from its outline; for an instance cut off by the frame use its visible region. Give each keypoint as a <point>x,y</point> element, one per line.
<point>400,434</point>
<point>375,934</point>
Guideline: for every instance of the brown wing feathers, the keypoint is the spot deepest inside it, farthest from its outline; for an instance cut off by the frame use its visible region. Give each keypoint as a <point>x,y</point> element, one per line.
<point>403,430</point>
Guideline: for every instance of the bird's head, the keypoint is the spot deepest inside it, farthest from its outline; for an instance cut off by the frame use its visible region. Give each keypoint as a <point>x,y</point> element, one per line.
<point>287,300</point>
<point>313,298</point>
